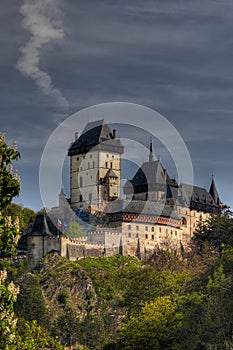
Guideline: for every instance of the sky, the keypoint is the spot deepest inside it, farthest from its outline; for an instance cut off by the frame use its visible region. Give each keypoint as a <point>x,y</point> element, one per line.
<point>175,57</point>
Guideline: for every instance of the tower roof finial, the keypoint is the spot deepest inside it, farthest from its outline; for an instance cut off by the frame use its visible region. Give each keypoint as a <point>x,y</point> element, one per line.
<point>151,158</point>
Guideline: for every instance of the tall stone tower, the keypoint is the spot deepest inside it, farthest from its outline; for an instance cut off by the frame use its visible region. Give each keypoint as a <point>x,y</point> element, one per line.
<point>95,166</point>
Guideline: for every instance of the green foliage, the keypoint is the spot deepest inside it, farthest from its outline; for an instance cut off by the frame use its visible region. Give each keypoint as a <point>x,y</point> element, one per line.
<point>24,215</point>
<point>74,230</point>
<point>217,230</point>
<point>9,184</point>
<point>8,293</point>
<point>31,336</point>
<point>67,327</point>
<point>30,303</point>
<point>154,328</point>
<point>9,188</point>
<point>111,276</point>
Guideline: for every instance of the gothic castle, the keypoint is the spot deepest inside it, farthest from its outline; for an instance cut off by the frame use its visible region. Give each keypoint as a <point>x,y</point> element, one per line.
<point>156,212</point>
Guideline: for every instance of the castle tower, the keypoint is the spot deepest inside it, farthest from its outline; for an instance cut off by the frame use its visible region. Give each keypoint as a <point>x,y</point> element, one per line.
<point>95,166</point>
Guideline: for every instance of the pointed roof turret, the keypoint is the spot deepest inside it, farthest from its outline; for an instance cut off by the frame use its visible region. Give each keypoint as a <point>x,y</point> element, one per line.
<point>213,192</point>
<point>40,226</point>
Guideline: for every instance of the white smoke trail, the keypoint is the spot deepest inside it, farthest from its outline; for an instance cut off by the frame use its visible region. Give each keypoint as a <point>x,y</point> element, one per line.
<point>42,19</point>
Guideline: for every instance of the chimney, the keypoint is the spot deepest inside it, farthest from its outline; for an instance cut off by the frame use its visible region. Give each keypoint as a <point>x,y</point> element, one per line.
<point>114,133</point>
<point>76,136</point>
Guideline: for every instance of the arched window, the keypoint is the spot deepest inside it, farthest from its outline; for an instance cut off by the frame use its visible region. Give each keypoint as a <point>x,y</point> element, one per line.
<point>80,198</point>
<point>184,222</point>
<point>81,182</point>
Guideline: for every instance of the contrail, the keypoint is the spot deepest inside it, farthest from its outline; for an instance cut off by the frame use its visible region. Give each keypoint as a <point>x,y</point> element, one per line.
<point>42,19</point>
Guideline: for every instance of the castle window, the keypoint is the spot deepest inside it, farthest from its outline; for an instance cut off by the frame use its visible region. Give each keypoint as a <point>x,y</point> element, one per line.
<point>111,165</point>
<point>81,182</point>
<point>152,237</point>
<point>112,156</point>
<point>129,227</point>
<point>106,164</point>
<point>33,245</point>
<point>160,230</point>
<point>93,163</point>
<point>107,155</point>
<point>137,228</point>
<point>77,158</point>
<point>152,228</point>
<point>136,235</point>
<point>80,198</point>
<point>129,235</point>
<point>90,198</point>
<point>88,165</point>
<point>146,228</point>
<point>184,222</point>
<point>146,236</point>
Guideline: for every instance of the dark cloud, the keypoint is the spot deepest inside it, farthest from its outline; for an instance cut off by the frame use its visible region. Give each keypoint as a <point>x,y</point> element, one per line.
<point>175,57</point>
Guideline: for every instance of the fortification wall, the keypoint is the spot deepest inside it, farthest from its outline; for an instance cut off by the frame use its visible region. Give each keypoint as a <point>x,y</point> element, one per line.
<point>39,246</point>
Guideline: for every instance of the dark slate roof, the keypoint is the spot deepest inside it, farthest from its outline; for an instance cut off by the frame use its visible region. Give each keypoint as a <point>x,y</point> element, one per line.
<point>141,207</point>
<point>214,193</point>
<point>43,226</point>
<point>95,133</point>
<point>189,193</point>
<point>111,173</point>
<point>149,172</point>
<point>151,175</point>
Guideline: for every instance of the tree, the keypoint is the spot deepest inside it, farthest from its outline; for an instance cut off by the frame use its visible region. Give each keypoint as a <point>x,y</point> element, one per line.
<point>9,188</point>
<point>8,321</point>
<point>217,230</point>
<point>154,327</point>
<point>24,215</point>
<point>74,230</point>
<point>34,337</point>
<point>34,308</point>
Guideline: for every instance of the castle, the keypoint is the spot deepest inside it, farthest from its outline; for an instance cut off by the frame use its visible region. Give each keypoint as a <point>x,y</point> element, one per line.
<point>155,213</point>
